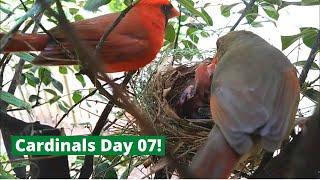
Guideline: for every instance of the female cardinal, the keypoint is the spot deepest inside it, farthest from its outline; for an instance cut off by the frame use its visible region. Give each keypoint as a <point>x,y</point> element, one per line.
<point>253,101</point>
<point>133,43</point>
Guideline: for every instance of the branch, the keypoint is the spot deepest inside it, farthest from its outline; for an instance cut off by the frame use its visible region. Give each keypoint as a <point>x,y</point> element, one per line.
<point>177,36</point>
<point>312,55</point>
<point>75,105</point>
<point>110,29</point>
<point>248,7</point>
<point>87,167</point>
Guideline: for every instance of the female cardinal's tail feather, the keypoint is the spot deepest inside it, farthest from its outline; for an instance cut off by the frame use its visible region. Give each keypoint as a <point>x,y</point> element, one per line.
<point>26,42</point>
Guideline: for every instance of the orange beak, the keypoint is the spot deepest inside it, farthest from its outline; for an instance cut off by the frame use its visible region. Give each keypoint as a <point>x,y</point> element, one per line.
<point>214,60</point>
<point>173,13</point>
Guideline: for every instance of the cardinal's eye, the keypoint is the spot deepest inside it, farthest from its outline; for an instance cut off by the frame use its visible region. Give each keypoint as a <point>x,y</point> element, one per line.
<point>166,8</point>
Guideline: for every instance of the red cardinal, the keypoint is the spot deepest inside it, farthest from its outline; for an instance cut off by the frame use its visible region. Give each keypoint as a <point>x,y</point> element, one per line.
<point>131,45</point>
<point>254,98</point>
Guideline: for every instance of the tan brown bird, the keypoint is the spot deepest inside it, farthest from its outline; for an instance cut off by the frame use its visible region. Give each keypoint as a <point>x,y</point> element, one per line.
<point>254,98</point>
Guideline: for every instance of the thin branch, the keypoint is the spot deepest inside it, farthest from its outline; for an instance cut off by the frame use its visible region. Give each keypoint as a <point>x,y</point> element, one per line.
<point>248,7</point>
<point>177,35</point>
<point>87,167</point>
<point>10,14</point>
<point>312,55</point>
<point>110,29</point>
<point>75,105</point>
<point>4,61</point>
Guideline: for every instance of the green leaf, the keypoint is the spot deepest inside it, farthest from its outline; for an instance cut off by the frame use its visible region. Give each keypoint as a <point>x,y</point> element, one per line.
<point>34,98</point>
<point>27,66</point>
<point>189,44</point>
<point>191,33</point>
<point>170,33</point>
<point>7,11</point>
<point>81,80</point>
<point>24,56</point>
<point>73,11</point>
<point>256,24</point>
<point>252,14</point>
<point>225,9</point>
<point>63,70</point>
<point>206,17</point>
<point>57,85</point>
<point>31,79</point>
<point>11,99</point>
<point>314,66</point>
<point>116,5</point>
<point>204,34</point>
<point>310,2</point>
<point>309,35</point>
<point>62,107</point>
<point>276,2</point>
<point>54,99</point>
<point>51,91</point>
<point>77,96</point>
<point>100,172</point>
<point>93,5</point>
<point>312,94</point>
<point>183,18</point>
<point>270,11</point>
<point>78,17</point>
<point>44,75</point>
<point>288,40</point>
<point>189,6</point>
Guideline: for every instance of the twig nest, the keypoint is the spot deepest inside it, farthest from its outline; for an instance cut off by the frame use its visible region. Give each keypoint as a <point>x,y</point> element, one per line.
<point>185,126</point>
<point>183,132</point>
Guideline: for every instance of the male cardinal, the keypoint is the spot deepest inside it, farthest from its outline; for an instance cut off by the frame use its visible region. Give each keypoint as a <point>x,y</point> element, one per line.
<point>253,101</point>
<point>131,45</point>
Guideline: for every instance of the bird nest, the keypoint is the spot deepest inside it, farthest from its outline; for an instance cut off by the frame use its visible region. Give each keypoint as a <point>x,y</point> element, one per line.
<point>187,126</point>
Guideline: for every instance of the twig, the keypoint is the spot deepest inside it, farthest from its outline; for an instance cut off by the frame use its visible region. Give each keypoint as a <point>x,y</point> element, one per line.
<point>177,35</point>
<point>4,61</point>
<point>110,29</point>
<point>10,14</point>
<point>87,167</point>
<point>75,105</point>
<point>312,55</point>
<point>248,7</point>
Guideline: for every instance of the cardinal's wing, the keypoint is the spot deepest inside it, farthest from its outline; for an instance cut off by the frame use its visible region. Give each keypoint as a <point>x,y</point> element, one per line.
<point>245,103</point>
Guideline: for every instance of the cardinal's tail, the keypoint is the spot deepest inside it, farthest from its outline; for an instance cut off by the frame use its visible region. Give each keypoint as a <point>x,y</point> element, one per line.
<point>26,42</point>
